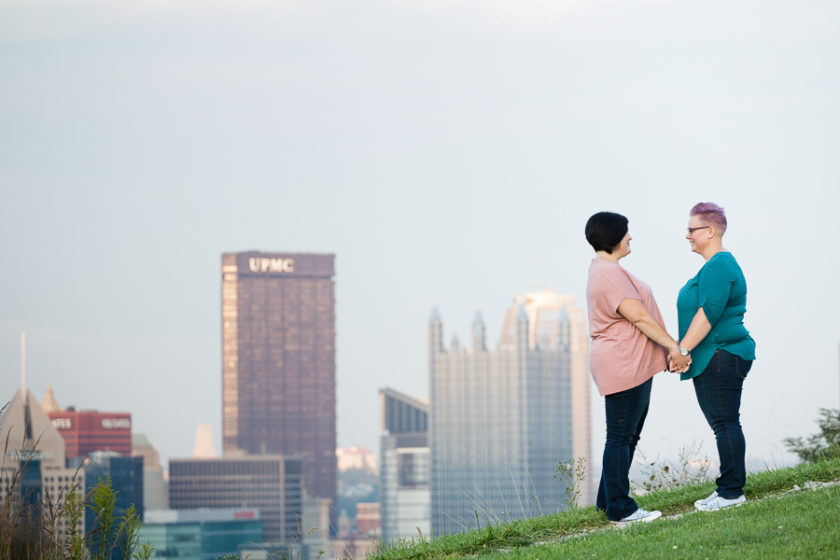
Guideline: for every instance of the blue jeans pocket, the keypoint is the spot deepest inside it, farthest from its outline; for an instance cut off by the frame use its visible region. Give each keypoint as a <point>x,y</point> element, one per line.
<point>728,362</point>
<point>742,367</point>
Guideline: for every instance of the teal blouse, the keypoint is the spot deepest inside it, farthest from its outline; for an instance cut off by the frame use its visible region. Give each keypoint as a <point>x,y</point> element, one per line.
<point>721,290</point>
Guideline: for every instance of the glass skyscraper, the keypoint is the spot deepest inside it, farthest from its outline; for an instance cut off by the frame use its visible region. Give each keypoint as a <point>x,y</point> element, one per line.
<point>501,420</point>
<point>404,492</point>
<point>278,361</point>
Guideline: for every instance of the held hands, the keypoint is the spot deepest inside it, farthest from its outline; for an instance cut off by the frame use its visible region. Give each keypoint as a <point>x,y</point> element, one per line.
<point>678,363</point>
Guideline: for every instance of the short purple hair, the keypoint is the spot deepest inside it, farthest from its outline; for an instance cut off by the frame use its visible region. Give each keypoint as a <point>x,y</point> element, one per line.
<point>711,213</point>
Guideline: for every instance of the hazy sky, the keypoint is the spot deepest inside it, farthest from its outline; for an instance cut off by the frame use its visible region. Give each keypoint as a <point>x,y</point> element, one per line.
<point>448,153</point>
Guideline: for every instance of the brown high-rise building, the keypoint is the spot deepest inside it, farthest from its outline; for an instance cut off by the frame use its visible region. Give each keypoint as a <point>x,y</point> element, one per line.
<point>278,361</point>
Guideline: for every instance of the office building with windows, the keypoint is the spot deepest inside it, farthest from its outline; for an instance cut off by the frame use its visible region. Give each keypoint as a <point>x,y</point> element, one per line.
<point>125,476</point>
<point>278,361</point>
<point>207,534</point>
<point>155,484</point>
<point>502,419</point>
<point>405,477</point>
<point>268,483</point>
<point>46,476</point>
<point>86,431</point>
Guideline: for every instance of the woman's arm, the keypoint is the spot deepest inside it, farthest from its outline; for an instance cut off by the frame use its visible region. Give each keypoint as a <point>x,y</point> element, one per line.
<point>697,330</point>
<point>634,311</point>
<point>714,287</point>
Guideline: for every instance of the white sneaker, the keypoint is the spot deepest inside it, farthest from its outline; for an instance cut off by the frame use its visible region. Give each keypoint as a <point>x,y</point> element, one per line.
<point>699,503</point>
<point>719,502</point>
<point>639,516</point>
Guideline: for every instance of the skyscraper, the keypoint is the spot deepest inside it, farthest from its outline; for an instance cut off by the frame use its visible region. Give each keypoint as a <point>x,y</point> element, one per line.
<point>278,361</point>
<point>404,492</point>
<point>501,420</point>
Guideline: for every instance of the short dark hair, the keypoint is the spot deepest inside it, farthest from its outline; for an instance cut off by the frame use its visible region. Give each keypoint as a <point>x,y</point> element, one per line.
<point>605,230</point>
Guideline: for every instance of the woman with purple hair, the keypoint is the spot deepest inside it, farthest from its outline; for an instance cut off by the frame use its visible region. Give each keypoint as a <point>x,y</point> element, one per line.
<point>711,308</point>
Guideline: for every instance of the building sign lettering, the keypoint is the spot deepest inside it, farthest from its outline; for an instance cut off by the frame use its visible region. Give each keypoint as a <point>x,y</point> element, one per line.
<point>264,264</point>
<point>62,423</point>
<point>29,454</point>
<point>116,423</point>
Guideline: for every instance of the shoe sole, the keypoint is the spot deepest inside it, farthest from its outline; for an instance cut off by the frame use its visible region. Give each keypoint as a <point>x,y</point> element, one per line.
<point>648,519</point>
<point>720,508</point>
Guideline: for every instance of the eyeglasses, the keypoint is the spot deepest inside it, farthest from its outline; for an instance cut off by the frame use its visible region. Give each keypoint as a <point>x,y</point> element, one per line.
<point>693,229</point>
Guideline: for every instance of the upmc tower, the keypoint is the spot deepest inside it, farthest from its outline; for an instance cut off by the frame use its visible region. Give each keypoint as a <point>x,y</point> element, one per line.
<point>278,361</point>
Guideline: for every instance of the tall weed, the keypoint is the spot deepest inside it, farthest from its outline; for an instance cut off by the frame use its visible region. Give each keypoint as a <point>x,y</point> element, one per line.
<point>689,469</point>
<point>572,473</point>
<point>50,529</point>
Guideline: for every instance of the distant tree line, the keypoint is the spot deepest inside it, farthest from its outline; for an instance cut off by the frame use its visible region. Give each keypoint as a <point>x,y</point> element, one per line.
<point>820,446</point>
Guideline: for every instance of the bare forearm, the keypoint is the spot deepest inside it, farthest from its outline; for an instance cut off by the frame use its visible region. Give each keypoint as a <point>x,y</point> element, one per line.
<point>656,333</point>
<point>697,330</point>
<point>636,313</point>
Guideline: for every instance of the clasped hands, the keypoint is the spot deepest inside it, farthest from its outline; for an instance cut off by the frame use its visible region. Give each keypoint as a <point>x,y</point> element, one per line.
<point>678,363</point>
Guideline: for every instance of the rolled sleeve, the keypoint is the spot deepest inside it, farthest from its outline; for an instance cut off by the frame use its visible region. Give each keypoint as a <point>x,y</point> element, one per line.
<point>715,284</point>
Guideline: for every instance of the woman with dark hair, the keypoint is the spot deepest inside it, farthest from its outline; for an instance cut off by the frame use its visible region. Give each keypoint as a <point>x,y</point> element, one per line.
<point>711,309</point>
<point>629,346</point>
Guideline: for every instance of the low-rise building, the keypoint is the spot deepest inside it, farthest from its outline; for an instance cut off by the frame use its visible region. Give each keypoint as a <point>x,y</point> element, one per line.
<point>269,483</point>
<point>86,431</point>
<point>201,534</point>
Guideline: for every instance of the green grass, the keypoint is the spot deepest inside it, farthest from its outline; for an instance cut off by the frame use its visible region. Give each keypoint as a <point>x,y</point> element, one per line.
<point>808,521</point>
<point>801,525</point>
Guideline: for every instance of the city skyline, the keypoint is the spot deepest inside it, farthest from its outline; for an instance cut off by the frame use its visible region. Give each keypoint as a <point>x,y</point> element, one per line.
<point>448,154</point>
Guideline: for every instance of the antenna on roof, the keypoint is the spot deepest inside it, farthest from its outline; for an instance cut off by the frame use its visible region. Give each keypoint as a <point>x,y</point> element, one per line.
<point>23,365</point>
<point>27,418</point>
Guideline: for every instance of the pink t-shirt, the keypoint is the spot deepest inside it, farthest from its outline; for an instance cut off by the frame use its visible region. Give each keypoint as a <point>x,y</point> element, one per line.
<point>621,356</point>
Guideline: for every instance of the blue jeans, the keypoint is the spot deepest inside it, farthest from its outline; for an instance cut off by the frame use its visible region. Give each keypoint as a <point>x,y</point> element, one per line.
<point>718,391</point>
<point>626,412</point>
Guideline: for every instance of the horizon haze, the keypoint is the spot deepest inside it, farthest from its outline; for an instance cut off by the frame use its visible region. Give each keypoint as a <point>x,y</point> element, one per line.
<point>448,154</point>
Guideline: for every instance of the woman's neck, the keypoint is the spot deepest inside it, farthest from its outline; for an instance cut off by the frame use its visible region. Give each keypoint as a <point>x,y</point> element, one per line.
<point>712,250</point>
<point>613,257</point>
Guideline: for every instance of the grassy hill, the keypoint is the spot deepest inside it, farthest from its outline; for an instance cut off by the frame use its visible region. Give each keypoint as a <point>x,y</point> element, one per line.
<point>790,514</point>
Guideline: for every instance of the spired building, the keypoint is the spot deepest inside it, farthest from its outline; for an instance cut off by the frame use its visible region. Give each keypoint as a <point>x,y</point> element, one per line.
<point>502,419</point>
<point>278,361</point>
<point>33,468</point>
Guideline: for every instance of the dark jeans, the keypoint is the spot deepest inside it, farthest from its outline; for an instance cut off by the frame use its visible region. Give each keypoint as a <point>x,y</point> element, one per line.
<point>718,391</point>
<point>626,412</point>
